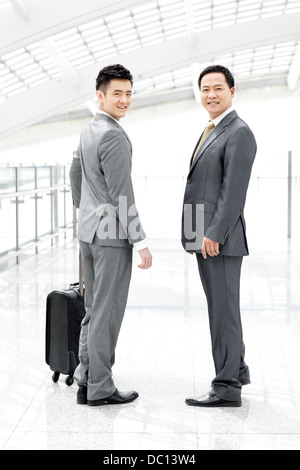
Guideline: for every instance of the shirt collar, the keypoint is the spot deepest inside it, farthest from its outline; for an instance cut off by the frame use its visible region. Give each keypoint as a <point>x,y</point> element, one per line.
<point>219,118</point>
<point>99,111</point>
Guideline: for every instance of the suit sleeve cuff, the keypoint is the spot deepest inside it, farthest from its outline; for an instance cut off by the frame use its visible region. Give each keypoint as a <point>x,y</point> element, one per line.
<point>141,245</point>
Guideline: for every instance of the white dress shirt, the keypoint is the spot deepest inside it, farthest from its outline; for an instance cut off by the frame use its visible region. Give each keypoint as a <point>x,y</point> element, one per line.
<point>218,119</point>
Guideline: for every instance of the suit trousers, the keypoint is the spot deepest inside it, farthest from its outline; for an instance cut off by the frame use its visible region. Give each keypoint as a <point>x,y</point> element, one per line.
<point>107,274</point>
<point>220,278</point>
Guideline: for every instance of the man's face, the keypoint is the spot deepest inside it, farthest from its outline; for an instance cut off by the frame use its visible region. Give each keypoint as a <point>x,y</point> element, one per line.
<point>117,98</point>
<point>216,96</point>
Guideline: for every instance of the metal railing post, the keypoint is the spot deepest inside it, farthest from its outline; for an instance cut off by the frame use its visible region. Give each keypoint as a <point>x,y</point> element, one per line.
<point>17,214</point>
<point>289,231</point>
<point>36,208</point>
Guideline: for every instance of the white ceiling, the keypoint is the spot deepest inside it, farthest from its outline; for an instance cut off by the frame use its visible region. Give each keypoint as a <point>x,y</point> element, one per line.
<point>51,51</point>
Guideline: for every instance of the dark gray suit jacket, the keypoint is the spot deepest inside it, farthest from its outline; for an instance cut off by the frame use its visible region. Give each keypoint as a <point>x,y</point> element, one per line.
<point>218,179</point>
<point>100,174</point>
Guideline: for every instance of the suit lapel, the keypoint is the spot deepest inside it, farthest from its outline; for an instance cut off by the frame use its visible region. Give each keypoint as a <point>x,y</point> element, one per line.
<point>114,122</point>
<point>218,130</point>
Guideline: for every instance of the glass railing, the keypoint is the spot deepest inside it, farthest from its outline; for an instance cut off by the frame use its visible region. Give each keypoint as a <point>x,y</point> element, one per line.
<point>35,208</point>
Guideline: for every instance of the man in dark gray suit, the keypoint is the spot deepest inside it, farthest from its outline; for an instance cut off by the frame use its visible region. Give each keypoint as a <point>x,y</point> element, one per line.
<point>108,228</point>
<point>215,197</point>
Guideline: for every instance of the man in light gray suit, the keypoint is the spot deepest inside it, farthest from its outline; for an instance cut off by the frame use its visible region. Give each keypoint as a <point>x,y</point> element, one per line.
<point>216,189</point>
<point>108,228</point>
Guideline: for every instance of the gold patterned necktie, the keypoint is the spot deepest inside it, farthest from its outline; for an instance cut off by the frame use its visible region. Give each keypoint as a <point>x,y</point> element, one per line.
<point>206,133</point>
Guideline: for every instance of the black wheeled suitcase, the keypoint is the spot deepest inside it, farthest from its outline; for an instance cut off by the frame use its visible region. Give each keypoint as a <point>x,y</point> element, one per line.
<point>64,313</point>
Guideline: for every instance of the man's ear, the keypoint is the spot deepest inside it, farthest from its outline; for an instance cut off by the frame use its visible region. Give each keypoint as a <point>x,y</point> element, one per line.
<point>100,95</point>
<point>232,90</point>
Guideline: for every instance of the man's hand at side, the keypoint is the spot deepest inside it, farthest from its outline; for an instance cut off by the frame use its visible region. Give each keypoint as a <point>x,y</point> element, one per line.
<point>146,258</point>
<point>209,247</point>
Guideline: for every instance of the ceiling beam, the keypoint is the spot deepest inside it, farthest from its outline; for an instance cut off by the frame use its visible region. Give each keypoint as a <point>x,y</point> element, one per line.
<point>20,8</point>
<point>47,18</point>
<point>56,96</point>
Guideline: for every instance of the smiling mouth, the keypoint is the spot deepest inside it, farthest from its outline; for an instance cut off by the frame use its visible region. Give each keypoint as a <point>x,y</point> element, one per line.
<point>122,107</point>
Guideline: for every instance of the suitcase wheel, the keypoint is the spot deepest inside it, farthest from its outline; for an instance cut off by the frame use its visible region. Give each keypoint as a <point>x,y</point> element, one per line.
<point>69,380</point>
<point>55,376</point>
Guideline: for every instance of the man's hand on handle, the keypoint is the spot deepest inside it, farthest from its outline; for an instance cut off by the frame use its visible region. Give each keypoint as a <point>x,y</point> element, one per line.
<point>146,259</point>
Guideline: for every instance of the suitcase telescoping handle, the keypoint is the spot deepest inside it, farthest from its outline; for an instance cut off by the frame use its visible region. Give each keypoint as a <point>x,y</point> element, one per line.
<point>80,274</point>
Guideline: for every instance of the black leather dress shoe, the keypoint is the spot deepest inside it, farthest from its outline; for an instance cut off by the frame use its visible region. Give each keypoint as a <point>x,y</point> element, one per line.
<point>117,398</point>
<point>210,400</point>
<point>82,395</point>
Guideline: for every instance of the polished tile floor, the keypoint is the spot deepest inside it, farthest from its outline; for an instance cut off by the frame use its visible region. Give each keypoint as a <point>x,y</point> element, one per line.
<point>163,352</point>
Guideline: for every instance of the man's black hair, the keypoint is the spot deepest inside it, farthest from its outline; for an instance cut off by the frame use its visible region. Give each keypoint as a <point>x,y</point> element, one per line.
<point>218,69</point>
<point>112,72</point>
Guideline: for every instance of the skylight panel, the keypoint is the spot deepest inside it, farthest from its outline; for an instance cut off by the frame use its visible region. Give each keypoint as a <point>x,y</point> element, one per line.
<point>150,31</point>
<point>260,71</point>
<point>22,64</point>
<point>223,21</point>
<point>96,38</point>
<point>38,82</point>
<point>148,19</point>
<point>8,89</point>
<point>119,24</point>
<point>65,34</point>
<point>36,50</point>
<point>272,8</point>
<point>169,3</point>
<point>144,8</point>
<point>15,56</point>
<point>127,40</point>
<point>175,23</point>
<point>164,86</point>
<point>174,34</point>
<point>115,17</point>
<point>129,46</point>
<point>16,91</point>
<point>125,35</point>
<point>270,14</point>
<point>224,10</point>
<point>279,68</point>
<point>108,44</point>
<point>94,32</point>
<point>173,9</point>
<point>149,26</point>
<point>71,42</point>
<point>129,27</point>
<point>9,79</point>
<point>105,53</point>
<point>82,62</point>
<point>217,3</point>
<point>151,41</point>
<point>92,25</point>
<point>73,50</point>
<point>36,78</point>
<point>79,54</point>
<point>28,68</point>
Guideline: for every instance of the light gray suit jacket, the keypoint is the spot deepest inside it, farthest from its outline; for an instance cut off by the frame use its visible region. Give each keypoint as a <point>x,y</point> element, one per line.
<point>218,178</point>
<point>99,175</point>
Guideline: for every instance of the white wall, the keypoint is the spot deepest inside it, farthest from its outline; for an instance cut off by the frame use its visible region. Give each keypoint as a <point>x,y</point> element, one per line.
<point>164,135</point>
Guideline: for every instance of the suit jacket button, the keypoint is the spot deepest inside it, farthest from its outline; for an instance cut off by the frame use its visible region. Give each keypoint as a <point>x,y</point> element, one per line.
<point>188,181</point>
